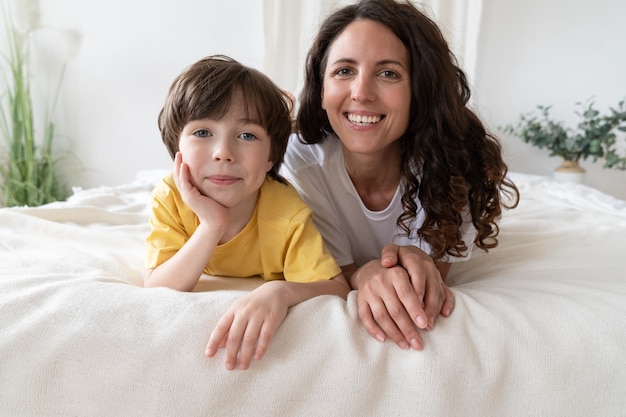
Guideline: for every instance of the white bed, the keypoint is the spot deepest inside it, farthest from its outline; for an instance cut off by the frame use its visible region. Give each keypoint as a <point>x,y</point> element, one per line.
<point>539,327</point>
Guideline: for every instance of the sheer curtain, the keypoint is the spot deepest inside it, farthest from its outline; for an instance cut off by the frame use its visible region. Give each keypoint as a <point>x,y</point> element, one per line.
<point>291,24</point>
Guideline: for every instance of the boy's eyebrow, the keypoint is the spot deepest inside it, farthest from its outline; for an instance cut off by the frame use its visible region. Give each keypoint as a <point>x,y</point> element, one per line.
<point>248,120</point>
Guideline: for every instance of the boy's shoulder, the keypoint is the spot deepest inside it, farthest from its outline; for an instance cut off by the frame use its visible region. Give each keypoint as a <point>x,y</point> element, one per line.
<point>166,190</point>
<point>165,187</point>
<point>280,202</point>
<point>165,196</point>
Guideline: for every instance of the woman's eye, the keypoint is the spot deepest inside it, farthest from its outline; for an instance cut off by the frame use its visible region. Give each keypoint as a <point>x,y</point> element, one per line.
<point>389,74</point>
<point>247,136</point>
<point>202,133</point>
<point>343,72</point>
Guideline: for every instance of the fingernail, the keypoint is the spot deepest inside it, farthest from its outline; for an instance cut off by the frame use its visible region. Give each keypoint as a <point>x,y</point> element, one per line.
<point>415,344</point>
<point>421,322</point>
<point>379,337</point>
<point>403,345</point>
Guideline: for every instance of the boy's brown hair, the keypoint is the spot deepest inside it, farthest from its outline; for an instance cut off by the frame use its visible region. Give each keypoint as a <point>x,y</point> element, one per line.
<point>206,89</point>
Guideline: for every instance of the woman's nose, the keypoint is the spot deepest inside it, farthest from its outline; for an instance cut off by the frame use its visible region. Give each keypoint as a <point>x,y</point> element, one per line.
<point>363,89</point>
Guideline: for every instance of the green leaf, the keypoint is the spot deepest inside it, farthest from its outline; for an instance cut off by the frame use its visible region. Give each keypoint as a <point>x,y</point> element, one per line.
<point>29,174</point>
<point>594,136</point>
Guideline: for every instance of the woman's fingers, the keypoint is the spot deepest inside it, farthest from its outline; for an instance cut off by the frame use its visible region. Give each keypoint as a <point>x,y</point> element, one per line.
<point>448,304</point>
<point>388,307</point>
<point>428,283</point>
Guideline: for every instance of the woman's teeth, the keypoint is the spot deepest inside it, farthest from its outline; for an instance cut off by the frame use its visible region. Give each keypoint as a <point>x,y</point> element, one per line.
<point>363,120</point>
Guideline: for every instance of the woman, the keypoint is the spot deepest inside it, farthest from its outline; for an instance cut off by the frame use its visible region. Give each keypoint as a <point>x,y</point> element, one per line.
<point>402,177</point>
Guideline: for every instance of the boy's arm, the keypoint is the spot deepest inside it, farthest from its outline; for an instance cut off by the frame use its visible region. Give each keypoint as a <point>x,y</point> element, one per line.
<point>297,292</point>
<point>183,270</point>
<point>245,330</point>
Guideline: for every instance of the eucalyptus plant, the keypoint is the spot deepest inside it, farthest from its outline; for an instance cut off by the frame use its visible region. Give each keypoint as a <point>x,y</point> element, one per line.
<point>29,176</point>
<point>596,136</point>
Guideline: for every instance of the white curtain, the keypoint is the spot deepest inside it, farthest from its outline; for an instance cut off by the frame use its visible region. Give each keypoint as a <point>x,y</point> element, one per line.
<point>291,24</point>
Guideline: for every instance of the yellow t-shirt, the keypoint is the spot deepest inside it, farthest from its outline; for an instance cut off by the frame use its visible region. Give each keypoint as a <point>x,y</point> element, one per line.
<point>279,242</point>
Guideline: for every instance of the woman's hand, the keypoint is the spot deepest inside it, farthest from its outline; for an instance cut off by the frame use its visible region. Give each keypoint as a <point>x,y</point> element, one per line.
<point>400,293</point>
<point>247,327</point>
<point>426,280</point>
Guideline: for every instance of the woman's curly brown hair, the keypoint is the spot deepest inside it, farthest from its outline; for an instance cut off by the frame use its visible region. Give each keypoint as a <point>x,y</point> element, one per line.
<point>449,160</point>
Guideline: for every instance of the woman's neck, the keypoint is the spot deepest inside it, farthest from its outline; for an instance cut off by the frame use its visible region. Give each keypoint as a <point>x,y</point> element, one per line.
<point>375,176</point>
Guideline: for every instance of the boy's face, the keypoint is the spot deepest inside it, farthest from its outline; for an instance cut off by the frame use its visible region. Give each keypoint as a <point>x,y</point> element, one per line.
<point>228,159</point>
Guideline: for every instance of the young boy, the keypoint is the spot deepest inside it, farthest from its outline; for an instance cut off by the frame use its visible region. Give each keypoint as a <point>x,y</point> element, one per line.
<point>225,210</point>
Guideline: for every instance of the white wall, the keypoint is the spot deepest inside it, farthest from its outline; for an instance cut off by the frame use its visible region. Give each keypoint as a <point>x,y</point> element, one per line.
<point>131,51</point>
<point>529,52</point>
<point>555,52</point>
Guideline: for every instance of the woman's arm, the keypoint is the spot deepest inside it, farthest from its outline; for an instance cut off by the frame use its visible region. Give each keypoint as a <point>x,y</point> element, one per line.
<point>247,327</point>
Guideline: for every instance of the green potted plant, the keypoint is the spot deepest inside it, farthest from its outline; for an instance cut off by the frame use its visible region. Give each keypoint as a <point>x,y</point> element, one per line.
<point>596,136</point>
<point>28,169</point>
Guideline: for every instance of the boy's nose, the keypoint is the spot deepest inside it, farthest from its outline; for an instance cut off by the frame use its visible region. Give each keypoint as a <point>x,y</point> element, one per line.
<point>223,151</point>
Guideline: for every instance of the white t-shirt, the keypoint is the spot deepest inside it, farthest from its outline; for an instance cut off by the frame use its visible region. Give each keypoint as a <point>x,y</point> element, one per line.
<point>353,233</point>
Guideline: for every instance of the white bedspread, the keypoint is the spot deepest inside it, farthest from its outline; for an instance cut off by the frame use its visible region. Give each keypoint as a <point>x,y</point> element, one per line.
<point>539,327</point>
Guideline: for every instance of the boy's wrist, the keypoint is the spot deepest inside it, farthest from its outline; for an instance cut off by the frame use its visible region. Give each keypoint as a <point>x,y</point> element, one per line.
<point>350,273</point>
<point>209,231</point>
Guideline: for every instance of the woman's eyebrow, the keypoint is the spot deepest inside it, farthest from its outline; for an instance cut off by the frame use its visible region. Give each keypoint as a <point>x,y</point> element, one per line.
<point>378,63</point>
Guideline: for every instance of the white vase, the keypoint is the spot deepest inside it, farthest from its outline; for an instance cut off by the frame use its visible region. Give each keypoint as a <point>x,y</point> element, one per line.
<point>569,171</point>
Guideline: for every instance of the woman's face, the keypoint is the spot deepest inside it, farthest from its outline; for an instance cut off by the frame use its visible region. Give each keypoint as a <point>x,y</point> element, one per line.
<point>367,87</point>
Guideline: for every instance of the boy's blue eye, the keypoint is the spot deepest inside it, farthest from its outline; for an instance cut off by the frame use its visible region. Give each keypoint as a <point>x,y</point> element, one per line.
<point>247,136</point>
<point>202,133</point>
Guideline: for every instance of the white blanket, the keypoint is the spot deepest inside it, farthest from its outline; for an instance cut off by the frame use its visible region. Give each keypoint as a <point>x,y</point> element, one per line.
<point>539,327</point>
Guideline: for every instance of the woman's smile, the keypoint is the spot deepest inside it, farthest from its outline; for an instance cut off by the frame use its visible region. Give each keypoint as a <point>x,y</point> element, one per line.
<point>360,120</point>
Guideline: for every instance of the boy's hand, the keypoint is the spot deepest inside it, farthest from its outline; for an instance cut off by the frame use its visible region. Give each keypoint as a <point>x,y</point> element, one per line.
<point>208,210</point>
<point>247,327</point>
